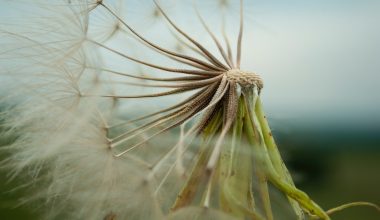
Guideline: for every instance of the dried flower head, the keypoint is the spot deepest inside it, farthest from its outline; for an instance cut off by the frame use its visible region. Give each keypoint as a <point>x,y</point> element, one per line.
<point>94,127</point>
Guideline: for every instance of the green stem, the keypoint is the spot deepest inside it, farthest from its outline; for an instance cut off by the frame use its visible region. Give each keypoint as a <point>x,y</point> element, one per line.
<point>275,156</point>
<point>279,181</point>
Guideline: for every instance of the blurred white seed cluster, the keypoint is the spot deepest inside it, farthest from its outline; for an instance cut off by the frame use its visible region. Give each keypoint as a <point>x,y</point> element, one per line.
<point>61,88</point>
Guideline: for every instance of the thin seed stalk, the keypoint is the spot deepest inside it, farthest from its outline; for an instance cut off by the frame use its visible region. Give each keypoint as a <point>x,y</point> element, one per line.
<point>254,136</point>
<point>235,177</point>
<point>190,188</point>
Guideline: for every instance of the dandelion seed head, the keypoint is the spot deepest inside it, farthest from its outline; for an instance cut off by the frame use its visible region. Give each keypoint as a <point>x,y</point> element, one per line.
<point>114,122</point>
<point>244,79</point>
<point>72,138</point>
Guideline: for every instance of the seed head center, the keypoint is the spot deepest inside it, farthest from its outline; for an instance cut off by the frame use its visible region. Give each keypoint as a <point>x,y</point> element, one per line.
<point>244,79</point>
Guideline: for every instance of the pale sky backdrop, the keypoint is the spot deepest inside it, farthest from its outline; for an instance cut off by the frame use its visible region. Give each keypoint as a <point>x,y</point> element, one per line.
<point>317,58</point>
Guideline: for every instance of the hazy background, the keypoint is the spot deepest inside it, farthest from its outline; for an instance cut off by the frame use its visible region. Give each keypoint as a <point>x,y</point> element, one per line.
<point>317,57</point>
<point>320,61</point>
